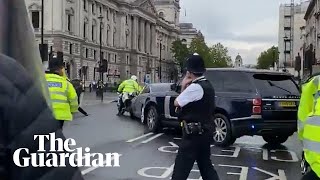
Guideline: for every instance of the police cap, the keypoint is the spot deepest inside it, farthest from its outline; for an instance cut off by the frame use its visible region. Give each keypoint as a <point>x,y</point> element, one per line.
<point>195,64</point>
<point>55,63</point>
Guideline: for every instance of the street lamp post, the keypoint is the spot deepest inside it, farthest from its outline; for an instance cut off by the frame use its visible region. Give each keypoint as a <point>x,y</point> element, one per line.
<point>160,60</point>
<point>285,52</point>
<point>101,58</point>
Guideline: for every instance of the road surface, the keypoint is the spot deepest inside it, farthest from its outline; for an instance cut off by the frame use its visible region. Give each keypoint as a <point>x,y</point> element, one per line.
<point>148,156</point>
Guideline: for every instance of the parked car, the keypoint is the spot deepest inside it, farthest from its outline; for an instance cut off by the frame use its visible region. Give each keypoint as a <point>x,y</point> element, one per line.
<point>248,102</point>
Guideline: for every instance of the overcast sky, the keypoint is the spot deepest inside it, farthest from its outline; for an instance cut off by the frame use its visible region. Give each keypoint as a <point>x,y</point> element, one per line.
<point>246,27</point>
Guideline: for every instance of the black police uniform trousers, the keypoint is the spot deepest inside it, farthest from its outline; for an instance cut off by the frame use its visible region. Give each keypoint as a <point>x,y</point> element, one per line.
<point>79,108</point>
<point>311,175</point>
<point>194,148</point>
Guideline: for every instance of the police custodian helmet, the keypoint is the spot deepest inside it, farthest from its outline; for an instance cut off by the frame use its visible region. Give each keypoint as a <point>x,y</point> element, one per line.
<point>195,64</point>
<point>55,63</point>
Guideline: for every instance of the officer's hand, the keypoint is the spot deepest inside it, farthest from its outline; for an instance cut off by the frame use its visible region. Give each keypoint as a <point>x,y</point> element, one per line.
<point>185,82</point>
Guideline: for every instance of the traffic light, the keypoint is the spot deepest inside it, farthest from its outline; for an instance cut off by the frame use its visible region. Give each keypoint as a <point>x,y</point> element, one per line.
<point>104,66</point>
<point>44,51</point>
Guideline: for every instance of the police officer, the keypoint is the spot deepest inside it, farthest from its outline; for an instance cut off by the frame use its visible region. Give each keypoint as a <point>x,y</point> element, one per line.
<point>128,86</point>
<point>309,128</point>
<point>196,104</point>
<point>63,96</point>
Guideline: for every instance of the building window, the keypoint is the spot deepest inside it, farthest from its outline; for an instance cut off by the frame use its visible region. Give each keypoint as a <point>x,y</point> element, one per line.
<point>87,53</point>
<point>84,4</point>
<point>126,19</point>
<point>114,16</point>
<point>139,44</point>
<point>93,8</point>
<point>109,55</point>
<point>128,62</point>
<point>108,14</point>
<point>85,29</point>
<point>127,37</point>
<point>100,9</point>
<point>70,48</point>
<point>35,16</point>
<point>107,38</point>
<point>94,54</point>
<point>69,21</point>
<point>115,58</point>
<point>93,32</point>
<point>114,38</point>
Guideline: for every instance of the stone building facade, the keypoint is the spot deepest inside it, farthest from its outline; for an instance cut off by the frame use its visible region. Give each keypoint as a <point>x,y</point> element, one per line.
<point>188,33</point>
<point>131,34</point>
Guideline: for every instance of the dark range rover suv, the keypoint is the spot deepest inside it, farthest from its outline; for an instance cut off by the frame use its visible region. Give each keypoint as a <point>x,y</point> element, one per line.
<point>248,102</point>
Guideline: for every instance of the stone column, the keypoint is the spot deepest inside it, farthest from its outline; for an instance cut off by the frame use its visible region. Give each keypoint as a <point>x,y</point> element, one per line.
<point>122,29</point>
<point>154,39</point>
<point>148,39</point>
<point>134,33</point>
<point>142,31</point>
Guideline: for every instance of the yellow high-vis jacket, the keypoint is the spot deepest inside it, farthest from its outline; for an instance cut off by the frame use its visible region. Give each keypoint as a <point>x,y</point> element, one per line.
<point>129,86</point>
<point>309,122</point>
<point>63,97</point>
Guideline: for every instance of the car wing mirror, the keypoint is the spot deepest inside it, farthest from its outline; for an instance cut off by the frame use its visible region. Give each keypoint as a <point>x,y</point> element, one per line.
<point>173,87</point>
<point>176,88</point>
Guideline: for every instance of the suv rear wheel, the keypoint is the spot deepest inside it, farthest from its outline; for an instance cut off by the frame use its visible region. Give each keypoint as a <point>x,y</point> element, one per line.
<point>222,135</point>
<point>273,139</point>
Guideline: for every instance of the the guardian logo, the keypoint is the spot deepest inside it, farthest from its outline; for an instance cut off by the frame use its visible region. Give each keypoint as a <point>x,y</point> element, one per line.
<point>64,152</point>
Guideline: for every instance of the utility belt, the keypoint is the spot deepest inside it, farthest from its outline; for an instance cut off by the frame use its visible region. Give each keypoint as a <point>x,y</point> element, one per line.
<point>305,167</point>
<point>194,128</point>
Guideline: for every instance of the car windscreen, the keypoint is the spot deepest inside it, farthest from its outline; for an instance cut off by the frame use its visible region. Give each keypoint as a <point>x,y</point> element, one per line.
<point>160,87</point>
<point>275,85</point>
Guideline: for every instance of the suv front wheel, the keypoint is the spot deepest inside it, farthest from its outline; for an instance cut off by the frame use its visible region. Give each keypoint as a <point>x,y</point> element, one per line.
<point>222,135</point>
<point>275,140</point>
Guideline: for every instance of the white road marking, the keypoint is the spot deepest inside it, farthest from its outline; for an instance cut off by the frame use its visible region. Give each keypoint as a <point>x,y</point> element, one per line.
<point>152,138</point>
<point>86,171</point>
<point>140,137</point>
<point>177,138</point>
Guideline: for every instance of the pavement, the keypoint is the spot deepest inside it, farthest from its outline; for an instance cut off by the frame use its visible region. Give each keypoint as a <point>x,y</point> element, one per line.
<point>148,156</point>
<point>90,98</point>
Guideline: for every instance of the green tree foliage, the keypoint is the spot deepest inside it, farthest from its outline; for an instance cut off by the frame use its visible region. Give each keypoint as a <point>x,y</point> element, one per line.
<point>198,45</point>
<point>219,56</point>
<point>180,52</point>
<point>267,58</point>
<point>215,56</point>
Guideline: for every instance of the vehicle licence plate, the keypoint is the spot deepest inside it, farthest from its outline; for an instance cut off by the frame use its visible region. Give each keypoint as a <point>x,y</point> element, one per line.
<point>288,104</point>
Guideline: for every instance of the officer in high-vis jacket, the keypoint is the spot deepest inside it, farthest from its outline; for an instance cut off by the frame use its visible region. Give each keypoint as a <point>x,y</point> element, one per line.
<point>63,96</point>
<point>196,105</point>
<point>309,128</point>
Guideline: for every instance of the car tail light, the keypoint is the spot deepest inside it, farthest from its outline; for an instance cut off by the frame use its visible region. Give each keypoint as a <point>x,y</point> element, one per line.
<point>256,102</point>
<point>256,108</point>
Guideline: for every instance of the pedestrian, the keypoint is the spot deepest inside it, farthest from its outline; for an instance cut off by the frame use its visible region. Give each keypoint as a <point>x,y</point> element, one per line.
<point>78,86</point>
<point>196,106</point>
<point>63,95</point>
<point>309,127</point>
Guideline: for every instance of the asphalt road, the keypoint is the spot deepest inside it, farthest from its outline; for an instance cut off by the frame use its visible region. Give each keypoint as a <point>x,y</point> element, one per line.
<point>147,156</point>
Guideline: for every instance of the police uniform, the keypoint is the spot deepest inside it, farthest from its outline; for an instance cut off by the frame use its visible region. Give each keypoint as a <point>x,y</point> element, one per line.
<point>126,87</point>
<point>309,127</point>
<point>63,96</point>
<point>196,104</point>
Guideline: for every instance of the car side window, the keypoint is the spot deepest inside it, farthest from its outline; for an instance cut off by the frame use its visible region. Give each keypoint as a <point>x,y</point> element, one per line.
<point>216,79</point>
<point>228,81</point>
<point>237,82</point>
